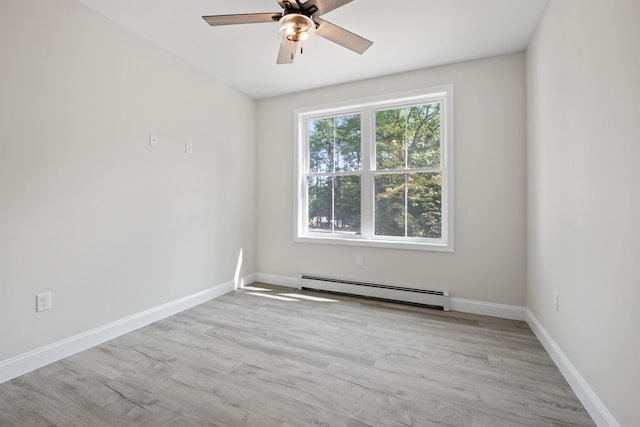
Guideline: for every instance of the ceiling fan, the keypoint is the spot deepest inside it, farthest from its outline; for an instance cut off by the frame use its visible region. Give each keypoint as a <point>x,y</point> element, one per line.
<point>298,22</point>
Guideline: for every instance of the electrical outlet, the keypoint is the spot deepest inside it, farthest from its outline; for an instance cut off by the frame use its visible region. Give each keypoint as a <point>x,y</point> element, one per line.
<point>43,301</point>
<point>359,260</point>
<point>556,300</point>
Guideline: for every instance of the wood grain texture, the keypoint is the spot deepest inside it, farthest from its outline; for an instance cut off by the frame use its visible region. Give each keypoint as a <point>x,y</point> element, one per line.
<point>279,357</point>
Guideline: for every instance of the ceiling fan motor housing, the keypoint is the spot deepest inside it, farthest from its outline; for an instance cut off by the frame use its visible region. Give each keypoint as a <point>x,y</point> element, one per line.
<point>308,10</point>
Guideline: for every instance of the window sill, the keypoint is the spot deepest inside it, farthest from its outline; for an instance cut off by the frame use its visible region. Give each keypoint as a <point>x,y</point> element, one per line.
<point>416,244</point>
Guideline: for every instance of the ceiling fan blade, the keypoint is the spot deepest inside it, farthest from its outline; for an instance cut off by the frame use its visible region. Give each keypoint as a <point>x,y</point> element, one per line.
<point>341,36</point>
<point>325,6</point>
<point>286,53</point>
<point>242,18</point>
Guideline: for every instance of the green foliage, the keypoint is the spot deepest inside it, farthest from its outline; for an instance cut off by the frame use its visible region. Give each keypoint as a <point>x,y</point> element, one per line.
<point>408,204</point>
<point>411,200</point>
<point>408,182</point>
<point>334,144</point>
<point>334,203</point>
<point>408,138</point>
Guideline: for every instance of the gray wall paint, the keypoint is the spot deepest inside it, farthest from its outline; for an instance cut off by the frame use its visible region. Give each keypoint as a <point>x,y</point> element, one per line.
<point>489,259</point>
<point>583,83</point>
<point>87,209</point>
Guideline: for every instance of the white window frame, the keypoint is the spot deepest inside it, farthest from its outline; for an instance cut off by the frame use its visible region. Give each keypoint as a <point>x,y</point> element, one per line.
<point>366,108</point>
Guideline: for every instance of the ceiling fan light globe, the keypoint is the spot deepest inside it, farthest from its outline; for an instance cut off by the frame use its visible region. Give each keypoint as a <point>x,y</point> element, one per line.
<point>296,28</point>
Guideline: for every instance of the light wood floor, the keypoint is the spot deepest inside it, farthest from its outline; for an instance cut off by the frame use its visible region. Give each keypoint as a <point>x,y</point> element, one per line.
<point>278,357</point>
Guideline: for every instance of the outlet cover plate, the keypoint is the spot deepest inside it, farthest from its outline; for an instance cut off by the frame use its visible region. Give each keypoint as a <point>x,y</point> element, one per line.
<point>43,302</point>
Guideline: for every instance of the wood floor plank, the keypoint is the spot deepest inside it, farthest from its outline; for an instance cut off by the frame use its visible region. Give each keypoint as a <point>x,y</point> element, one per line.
<point>267,356</point>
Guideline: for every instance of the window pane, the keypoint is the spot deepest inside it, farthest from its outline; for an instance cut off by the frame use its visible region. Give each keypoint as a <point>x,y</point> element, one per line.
<point>390,131</point>
<point>347,205</point>
<point>334,204</point>
<point>334,144</point>
<point>424,205</point>
<point>408,137</point>
<point>390,205</point>
<point>423,136</point>
<point>347,143</point>
<point>320,206</point>
<point>409,205</point>
<point>321,132</point>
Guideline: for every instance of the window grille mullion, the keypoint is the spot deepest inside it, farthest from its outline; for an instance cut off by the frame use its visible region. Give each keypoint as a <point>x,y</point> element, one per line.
<point>406,204</point>
<point>407,111</point>
<point>399,171</point>
<point>333,179</point>
<point>321,174</point>
<point>406,138</point>
<point>333,204</point>
<point>367,192</point>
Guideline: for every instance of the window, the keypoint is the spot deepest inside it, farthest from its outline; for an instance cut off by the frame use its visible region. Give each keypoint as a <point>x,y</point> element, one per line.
<point>377,172</point>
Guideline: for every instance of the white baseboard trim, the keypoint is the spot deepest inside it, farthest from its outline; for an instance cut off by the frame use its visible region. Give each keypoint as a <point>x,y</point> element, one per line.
<point>503,311</point>
<point>249,279</point>
<point>272,279</point>
<point>30,361</point>
<point>466,306</point>
<point>591,402</point>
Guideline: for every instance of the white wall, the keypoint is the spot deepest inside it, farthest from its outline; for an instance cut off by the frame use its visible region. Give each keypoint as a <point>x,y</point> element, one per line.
<point>113,227</point>
<point>87,209</point>
<point>489,259</point>
<point>583,151</point>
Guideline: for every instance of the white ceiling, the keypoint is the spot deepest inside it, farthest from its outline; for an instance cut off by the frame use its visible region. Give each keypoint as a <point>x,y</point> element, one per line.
<point>407,35</point>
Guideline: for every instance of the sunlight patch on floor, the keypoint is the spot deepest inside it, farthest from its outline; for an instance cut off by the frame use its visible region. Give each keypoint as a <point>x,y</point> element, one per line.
<point>309,297</point>
<point>271,296</point>
<point>255,288</point>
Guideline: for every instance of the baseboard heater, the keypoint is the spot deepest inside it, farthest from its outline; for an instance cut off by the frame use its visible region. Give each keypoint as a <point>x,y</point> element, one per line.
<point>423,297</point>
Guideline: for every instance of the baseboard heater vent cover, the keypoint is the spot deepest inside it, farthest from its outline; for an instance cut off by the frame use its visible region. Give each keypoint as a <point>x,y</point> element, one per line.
<point>424,297</point>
